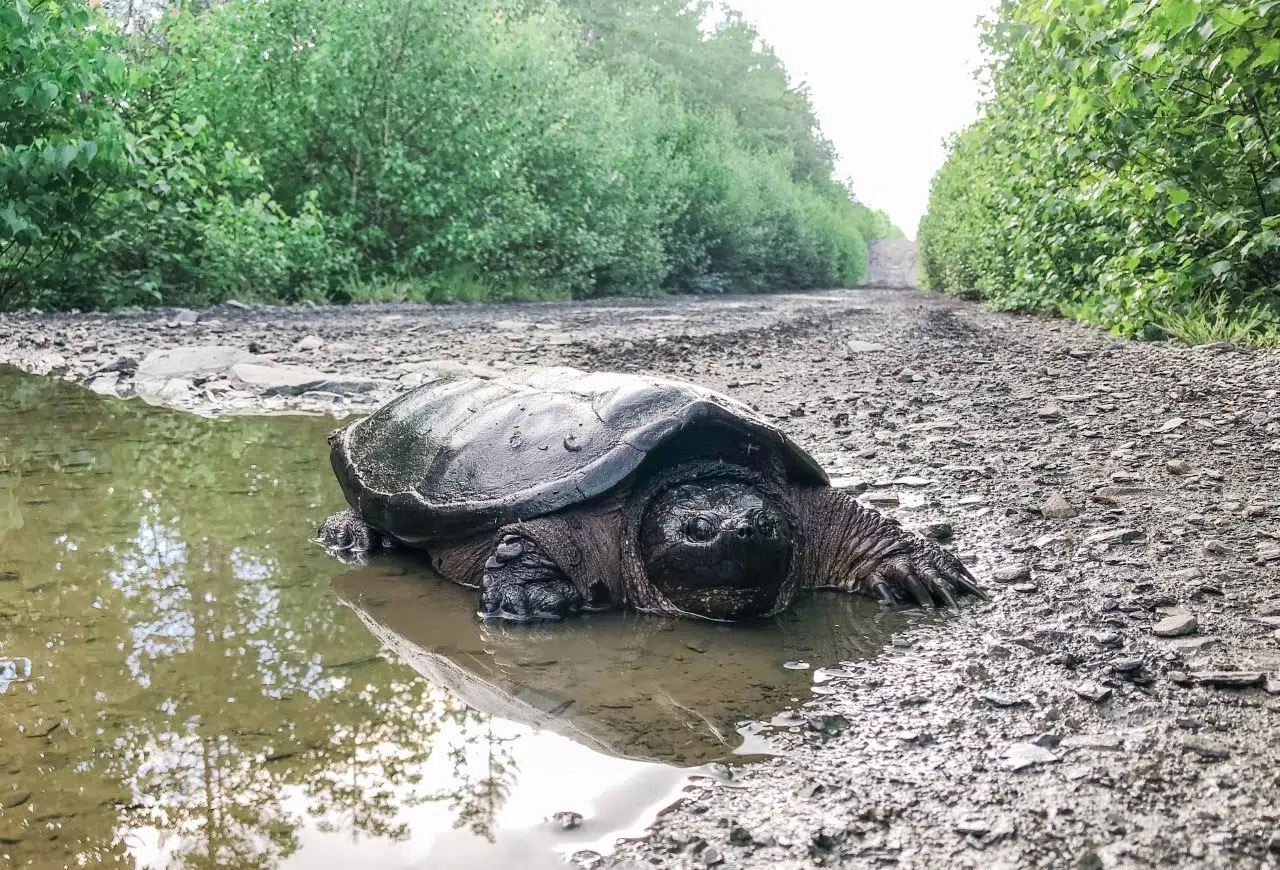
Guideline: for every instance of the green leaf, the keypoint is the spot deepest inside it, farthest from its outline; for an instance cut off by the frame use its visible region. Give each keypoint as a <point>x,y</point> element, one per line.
<point>1178,195</point>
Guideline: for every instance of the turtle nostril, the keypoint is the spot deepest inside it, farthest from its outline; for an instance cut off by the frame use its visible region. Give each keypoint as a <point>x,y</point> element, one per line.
<point>745,531</point>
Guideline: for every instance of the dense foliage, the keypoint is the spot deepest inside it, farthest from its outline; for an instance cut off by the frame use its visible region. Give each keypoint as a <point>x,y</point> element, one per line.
<point>429,149</point>
<point>1126,168</point>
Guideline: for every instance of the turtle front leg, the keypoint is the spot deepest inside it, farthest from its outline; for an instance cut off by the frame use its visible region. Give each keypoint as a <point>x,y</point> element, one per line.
<point>859,549</point>
<point>350,538</point>
<point>522,583</point>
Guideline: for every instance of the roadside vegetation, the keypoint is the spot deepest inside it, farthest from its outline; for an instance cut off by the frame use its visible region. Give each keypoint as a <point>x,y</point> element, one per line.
<point>1125,169</point>
<point>408,149</point>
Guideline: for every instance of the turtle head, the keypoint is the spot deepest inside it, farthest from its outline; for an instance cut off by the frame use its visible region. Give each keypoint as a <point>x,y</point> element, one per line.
<point>716,548</point>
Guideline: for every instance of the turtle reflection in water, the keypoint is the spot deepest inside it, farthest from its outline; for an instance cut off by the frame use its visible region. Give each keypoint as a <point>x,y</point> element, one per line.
<point>557,490</point>
<point>632,685</point>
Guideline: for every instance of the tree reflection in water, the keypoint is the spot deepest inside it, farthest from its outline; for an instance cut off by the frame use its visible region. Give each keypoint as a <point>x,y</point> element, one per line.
<point>198,697</point>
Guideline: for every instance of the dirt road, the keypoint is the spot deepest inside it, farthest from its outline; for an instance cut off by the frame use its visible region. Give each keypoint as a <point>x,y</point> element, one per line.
<point>1116,703</point>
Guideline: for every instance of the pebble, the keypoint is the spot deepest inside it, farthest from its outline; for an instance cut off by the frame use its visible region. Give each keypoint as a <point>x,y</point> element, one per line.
<point>855,346</point>
<point>1206,748</point>
<point>712,856</point>
<point>1177,466</point>
<point>1020,756</point>
<point>1056,507</point>
<point>1025,588</point>
<point>566,820</point>
<point>1186,574</point>
<point>1011,574</point>
<point>1216,547</point>
<point>1221,679</point>
<point>309,342</point>
<point>1050,413</point>
<point>938,531</point>
<point>1093,692</point>
<point>1092,741</point>
<point>1171,424</point>
<point>1177,625</point>
<point>1121,536</point>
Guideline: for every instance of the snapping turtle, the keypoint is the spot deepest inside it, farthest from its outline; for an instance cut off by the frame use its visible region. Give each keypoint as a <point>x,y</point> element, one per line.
<point>557,490</point>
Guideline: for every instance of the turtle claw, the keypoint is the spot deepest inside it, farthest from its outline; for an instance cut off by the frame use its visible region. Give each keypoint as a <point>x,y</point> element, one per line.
<point>928,575</point>
<point>348,537</point>
<point>522,585</point>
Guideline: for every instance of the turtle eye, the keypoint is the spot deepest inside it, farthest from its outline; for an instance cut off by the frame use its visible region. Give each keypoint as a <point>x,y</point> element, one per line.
<point>699,529</point>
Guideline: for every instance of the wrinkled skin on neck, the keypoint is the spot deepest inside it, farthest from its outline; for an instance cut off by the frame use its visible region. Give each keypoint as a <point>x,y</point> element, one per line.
<point>718,548</point>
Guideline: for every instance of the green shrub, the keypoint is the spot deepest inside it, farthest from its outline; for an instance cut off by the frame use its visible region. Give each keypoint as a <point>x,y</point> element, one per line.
<point>1126,167</point>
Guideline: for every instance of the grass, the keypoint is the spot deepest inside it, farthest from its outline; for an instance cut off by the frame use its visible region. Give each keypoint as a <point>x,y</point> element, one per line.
<point>1220,321</point>
<point>456,286</point>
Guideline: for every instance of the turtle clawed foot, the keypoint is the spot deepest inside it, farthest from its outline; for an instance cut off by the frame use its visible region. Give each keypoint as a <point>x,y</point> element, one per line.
<point>523,585</point>
<point>348,537</point>
<point>928,576</point>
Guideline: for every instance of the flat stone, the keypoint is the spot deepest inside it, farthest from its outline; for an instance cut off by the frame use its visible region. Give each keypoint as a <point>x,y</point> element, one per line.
<point>309,342</point>
<point>1206,748</point>
<point>1268,553</point>
<point>1185,574</point>
<point>1056,507</point>
<point>976,827</point>
<point>1011,574</point>
<point>1192,644</point>
<point>1177,625</point>
<point>1177,466</point>
<point>1110,742</point>
<point>1221,679</point>
<point>1123,491</point>
<point>855,346</point>
<point>910,480</point>
<point>1050,412</point>
<point>940,531</point>
<point>189,362</point>
<point>1172,423</point>
<point>1021,756</point>
<point>296,380</point>
<point>851,485</point>
<point>886,499</point>
<point>1093,692</point>
<point>1114,536</point>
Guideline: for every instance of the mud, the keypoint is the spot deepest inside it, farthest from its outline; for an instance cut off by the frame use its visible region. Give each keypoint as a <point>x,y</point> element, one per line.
<point>1108,494</point>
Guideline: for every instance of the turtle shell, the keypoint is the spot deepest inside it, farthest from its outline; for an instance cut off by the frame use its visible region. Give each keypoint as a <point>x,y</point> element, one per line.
<point>464,455</point>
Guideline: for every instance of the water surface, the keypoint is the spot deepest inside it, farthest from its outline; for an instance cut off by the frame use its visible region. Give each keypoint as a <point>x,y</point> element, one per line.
<point>187,681</point>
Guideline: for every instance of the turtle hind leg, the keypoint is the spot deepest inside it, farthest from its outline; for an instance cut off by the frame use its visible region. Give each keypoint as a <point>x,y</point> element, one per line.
<point>348,537</point>
<point>522,584</point>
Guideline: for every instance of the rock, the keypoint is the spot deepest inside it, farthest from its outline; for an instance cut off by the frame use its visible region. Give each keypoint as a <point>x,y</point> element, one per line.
<point>1123,491</point>
<point>1114,536</point>
<point>1011,574</point>
<point>1004,701</point>
<point>1056,507</point>
<point>1177,466</point>
<point>937,531</point>
<point>1024,588</point>
<point>1192,644</point>
<point>1272,684</point>
<point>711,856</point>
<point>1020,756</point>
<point>1109,742</point>
<point>912,481</point>
<point>1186,574</point>
<point>1171,424</point>
<point>1177,625</point>
<point>1050,412</point>
<point>105,385</point>
<point>1268,553</point>
<point>855,346</point>
<point>976,827</point>
<point>740,836</point>
<point>1221,679</point>
<point>884,499</point>
<point>1216,547</point>
<point>188,362</point>
<point>235,303</point>
<point>851,485</point>
<point>309,342</point>
<point>1206,748</point>
<point>296,380</point>
<point>566,820</point>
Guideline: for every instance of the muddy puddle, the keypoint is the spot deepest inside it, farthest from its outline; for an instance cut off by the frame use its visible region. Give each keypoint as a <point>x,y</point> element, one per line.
<point>187,681</point>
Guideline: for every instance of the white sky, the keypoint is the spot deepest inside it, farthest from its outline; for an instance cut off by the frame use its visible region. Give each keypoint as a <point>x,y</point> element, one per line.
<point>889,78</point>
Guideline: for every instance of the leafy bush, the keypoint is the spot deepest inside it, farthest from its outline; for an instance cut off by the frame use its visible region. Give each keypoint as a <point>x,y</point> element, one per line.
<point>415,149</point>
<point>1126,167</point>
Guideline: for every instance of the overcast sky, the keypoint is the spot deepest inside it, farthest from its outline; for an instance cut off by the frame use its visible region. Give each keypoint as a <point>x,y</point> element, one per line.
<point>890,79</point>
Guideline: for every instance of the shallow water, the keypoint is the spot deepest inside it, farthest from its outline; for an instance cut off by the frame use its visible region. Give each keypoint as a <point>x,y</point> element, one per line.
<point>187,681</point>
